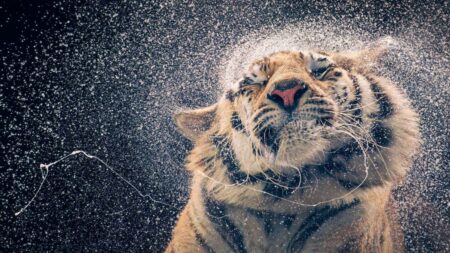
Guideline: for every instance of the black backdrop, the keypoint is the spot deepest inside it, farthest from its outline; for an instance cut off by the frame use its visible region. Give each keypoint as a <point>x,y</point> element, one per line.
<point>104,76</point>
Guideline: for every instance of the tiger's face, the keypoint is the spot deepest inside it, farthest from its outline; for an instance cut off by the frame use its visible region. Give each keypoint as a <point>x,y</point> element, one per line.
<point>288,105</point>
<point>288,109</point>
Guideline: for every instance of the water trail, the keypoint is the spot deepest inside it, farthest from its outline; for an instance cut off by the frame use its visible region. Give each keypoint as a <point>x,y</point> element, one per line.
<point>45,170</point>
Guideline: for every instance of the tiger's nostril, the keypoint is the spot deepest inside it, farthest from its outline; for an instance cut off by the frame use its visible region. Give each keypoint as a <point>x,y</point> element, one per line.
<point>287,94</point>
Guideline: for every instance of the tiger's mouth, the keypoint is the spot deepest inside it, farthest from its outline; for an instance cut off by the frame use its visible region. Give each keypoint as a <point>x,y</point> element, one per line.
<point>297,129</point>
<point>291,135</point>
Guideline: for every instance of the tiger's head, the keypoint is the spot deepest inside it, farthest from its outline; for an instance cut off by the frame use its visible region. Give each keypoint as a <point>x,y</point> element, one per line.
<point>288,109</point>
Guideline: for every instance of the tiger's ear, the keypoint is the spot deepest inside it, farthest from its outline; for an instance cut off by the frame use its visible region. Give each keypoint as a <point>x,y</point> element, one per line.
<point>367,57</point>
<point>192,123</point>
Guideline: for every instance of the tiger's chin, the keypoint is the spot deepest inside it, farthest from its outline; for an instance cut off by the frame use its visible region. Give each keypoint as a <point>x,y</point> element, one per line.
<point>294,156</point>
<point>301,143</point>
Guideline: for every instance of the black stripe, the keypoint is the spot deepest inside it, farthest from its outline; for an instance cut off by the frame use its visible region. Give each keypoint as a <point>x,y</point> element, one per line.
<point>263,122</point>
<point>269,219</point>
<point>288,220</point>
<point>385,106</point>
<point>355,104</point>
<point>335,163</point>
<point>202,242</point>
<point>216,212</point>
<point>198,237</point>
<point>313,222</point>
<point>262,112</point>
<point>269,137</point>
<point>381,134</point>
<point>236,122</point>
<point>255,150</point>
<point>328,111</point>
<point>350,185</point>
<point>348,150</point>
<point>265,218</point>
<point>228,157</point>
<point>279,185</point>
<point>206,163</point>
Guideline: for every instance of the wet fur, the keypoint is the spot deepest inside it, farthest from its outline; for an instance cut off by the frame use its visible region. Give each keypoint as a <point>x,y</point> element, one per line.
<point>322,184</point>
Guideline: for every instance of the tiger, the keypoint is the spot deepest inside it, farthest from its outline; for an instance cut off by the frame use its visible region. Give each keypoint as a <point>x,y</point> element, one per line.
<point>299,155</point>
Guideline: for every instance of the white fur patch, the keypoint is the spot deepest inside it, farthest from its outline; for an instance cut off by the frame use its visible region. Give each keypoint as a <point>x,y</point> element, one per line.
<point>255,74</point>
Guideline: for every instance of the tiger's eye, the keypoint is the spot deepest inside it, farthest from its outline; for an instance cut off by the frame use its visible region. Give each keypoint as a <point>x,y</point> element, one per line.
<point>246,81</point>
<point>320,72</point>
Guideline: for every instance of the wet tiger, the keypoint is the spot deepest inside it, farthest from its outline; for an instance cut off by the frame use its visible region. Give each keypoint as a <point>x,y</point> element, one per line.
<point>299,156</point>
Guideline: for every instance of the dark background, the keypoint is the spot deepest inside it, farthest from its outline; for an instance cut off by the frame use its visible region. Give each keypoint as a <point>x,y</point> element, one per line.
<point>104,77</point>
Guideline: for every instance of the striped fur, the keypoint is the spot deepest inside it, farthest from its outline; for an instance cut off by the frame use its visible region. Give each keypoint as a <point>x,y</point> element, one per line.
<point>315,180</point>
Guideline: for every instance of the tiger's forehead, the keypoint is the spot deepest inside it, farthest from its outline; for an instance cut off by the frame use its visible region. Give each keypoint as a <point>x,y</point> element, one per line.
<point>287,57</point>
<point>262,69</point>
<point>297,57</point>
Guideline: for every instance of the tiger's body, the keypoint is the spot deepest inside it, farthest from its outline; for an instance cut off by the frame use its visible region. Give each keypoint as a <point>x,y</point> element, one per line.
<point>300,156</point>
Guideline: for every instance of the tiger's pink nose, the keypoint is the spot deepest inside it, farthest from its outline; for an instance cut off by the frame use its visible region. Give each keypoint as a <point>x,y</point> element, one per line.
<point>288,93</point>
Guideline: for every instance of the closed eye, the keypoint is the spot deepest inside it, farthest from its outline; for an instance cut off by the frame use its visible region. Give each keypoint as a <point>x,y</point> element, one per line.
<point>247,81</point>
<point>319,65</point>
<point>319,73</point>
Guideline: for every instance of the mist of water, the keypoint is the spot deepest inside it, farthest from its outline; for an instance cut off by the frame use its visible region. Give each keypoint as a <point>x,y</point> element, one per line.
<point>107,79</point>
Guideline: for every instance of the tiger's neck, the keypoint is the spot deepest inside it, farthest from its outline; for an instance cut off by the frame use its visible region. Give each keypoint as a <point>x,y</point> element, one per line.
<point>362,223</point>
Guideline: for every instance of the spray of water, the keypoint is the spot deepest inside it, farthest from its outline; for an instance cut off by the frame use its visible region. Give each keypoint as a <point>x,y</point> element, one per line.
<point>411,62</point>
<point>300,36</point>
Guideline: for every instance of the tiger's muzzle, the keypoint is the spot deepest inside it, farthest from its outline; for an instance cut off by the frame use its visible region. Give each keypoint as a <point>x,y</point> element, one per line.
<point>287,94</point>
